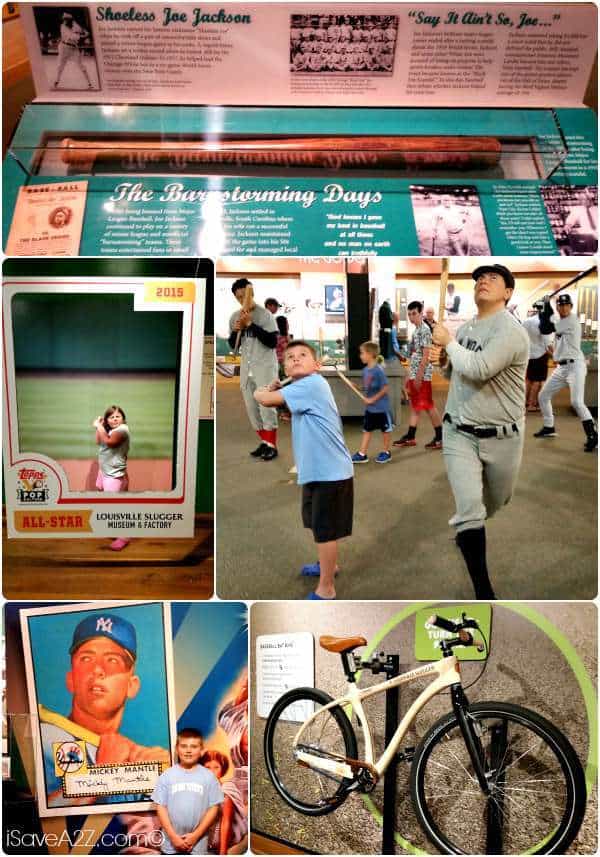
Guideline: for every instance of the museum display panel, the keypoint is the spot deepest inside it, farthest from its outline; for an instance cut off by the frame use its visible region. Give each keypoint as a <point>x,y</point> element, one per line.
<point>151,167</point>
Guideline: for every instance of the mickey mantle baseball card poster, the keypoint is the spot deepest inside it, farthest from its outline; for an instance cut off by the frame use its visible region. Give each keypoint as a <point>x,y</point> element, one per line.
<point>83,354</point>
<point>101,698</point>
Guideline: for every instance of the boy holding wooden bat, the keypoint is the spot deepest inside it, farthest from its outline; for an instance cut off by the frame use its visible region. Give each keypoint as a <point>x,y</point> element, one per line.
<point>325,468</point>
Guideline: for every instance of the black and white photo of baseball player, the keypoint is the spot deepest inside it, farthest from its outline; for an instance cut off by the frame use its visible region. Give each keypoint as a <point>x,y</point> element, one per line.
<point>573,216</point>
<point>67,47</point>
<point>449,221</point>
<point>343,44</point>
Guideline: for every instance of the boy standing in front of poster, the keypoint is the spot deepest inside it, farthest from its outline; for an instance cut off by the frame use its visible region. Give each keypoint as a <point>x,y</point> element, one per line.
<point>187,797</point>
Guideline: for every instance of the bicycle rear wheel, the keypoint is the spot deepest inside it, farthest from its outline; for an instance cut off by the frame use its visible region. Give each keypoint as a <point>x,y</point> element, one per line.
<point>305,789</point>
<point>537,784</point>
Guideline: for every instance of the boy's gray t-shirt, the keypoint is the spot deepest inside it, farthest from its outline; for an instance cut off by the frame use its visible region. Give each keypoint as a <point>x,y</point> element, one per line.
<point>487,382</point>
<point>187,795</point>
<point>113,459</point>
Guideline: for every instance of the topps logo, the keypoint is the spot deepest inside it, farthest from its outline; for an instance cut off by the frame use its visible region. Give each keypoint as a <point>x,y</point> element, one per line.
<point>32,486</point>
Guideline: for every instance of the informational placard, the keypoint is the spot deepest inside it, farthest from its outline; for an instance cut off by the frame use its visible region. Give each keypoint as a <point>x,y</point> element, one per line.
<point>283,662</point>
<point>101,694</point>
<point>102,389</point>
<point>390,54</point>
<point>428,636</point>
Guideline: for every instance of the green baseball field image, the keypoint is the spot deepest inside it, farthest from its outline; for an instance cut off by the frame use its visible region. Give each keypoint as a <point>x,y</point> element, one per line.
<point>55,412</point>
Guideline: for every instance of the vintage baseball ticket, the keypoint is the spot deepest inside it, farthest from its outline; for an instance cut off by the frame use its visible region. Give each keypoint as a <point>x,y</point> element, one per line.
<point>48,220</point>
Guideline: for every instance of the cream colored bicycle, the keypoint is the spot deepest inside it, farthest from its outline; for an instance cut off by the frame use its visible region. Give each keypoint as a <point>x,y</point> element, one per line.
<point>487,778</point>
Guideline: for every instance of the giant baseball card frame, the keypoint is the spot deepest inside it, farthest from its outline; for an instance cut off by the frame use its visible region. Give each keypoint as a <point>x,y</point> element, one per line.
<point>39,501</point>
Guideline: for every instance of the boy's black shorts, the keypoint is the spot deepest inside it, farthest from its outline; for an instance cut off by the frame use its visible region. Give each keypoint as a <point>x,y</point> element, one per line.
<point>327,509</point>
<point>377,420</point>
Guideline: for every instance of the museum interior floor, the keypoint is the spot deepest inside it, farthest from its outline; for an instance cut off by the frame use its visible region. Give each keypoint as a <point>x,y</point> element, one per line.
<point>542,545</point>
<point>87,569</point>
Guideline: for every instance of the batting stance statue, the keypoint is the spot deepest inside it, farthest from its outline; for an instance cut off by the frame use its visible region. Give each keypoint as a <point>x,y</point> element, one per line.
<point>258,365</point>
<point>101,680</point>
<point>484,419</point>
<point>570,370</point>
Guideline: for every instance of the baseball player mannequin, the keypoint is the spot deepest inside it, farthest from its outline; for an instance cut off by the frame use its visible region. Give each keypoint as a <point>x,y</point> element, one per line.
<point>258,366</point>
<point>483,423</point>
<point>570,371</point>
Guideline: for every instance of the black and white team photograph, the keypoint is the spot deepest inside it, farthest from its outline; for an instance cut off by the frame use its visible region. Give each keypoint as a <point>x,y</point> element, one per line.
<point>343,44</point>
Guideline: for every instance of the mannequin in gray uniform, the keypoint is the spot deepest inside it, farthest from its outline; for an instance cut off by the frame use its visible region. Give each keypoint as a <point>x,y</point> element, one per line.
<point>570,371</point>
<point>258,366</point>
<point>483,423</point>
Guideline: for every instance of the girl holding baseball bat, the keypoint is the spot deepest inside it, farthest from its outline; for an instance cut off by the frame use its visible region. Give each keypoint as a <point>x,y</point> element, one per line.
<point>378,411</point>
<point>112,437</point>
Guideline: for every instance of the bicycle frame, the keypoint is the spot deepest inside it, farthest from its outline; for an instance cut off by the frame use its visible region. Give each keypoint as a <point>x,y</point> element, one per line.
<point>447,673</point>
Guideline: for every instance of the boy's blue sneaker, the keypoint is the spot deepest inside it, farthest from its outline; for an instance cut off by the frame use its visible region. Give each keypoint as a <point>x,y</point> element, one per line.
<point>383,457</point>
<point>312,596</point>
<point>313,569</point>
<point>359,458</point>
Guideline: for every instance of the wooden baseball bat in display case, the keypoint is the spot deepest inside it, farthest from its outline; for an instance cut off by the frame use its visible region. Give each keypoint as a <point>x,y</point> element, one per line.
<point>331,153</point>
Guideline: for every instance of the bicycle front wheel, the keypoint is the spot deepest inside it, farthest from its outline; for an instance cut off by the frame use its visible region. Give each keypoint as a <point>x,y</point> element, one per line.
<point>537,785</point>
<point>305,789</point>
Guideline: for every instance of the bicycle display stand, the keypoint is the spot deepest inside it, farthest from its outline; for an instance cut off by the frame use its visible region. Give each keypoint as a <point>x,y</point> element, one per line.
<point>488,750</point>
<point>391,668</point>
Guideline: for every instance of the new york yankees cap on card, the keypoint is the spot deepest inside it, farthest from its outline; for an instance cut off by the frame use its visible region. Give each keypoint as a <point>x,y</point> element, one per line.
<point>564,299</point>
<point>106,625</point>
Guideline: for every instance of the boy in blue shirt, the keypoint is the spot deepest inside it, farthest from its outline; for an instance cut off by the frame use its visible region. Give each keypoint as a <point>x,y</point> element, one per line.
<point>324,465</point>
<point>187,798</point>
<point>378,413</point>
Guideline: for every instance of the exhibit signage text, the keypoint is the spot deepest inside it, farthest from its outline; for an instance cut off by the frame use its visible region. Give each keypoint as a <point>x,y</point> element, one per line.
<point>177,192</point>
<point>171,15</point>
<point>481,19</point>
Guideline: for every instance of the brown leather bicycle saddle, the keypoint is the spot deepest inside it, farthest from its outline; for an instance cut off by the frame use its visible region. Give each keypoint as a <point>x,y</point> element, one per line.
<point>341,644</point>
